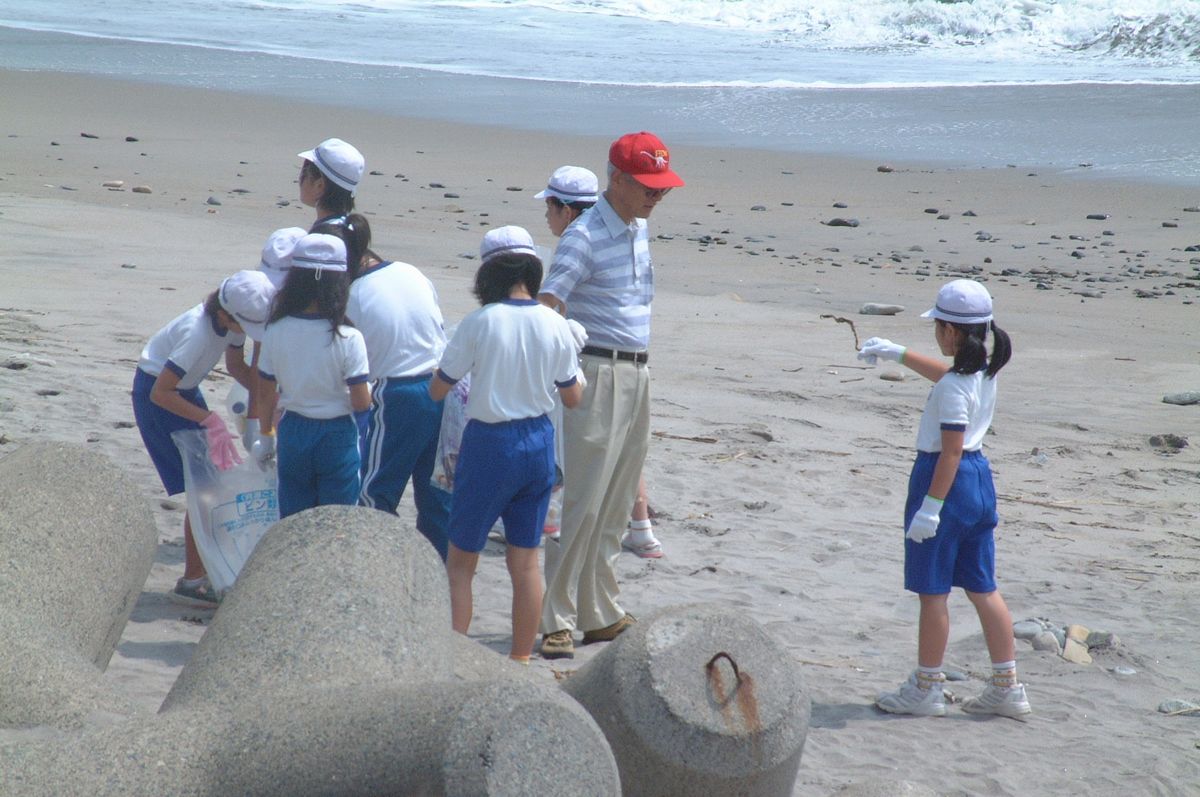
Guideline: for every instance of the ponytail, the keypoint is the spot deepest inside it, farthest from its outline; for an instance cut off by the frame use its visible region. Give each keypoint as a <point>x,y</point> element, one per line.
<point>972,355</point>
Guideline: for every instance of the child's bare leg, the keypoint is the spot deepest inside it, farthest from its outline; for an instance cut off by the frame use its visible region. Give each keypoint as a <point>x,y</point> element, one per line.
<point>460,567</point>
<point>527,599</point>
<point>933,630</point>
<point>997,624</point>
<point>193,566</point>
<point>641,504</point>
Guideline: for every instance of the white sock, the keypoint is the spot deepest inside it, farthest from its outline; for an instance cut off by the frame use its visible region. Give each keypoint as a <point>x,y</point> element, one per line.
<point>928,677</point>
<point>641,532</point>
<point>1004,674</point>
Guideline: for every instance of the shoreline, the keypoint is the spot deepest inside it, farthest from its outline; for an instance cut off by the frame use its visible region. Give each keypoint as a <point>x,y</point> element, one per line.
<point>1139,133</point>
<point>777,461</point>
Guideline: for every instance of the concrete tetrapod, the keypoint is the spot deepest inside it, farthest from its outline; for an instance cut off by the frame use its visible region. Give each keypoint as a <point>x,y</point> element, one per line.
<point>77,541</point>
<point>698,700</point>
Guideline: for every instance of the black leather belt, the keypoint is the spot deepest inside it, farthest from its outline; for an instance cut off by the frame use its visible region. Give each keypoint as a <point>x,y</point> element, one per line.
<point>617,354</point>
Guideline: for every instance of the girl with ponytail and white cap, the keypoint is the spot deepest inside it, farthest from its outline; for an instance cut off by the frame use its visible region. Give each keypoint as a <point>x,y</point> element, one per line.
<point>167,398</point>
<point>329,178</point>
<point>314,367</point>
<point>950,514</point>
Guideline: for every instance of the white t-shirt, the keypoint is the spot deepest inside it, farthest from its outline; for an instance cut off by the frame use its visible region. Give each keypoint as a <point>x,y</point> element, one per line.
<point>516,351</point>
<point>396,309</point>
<point>311,366</point>
<point>958,401</point>
<point>190,346</point>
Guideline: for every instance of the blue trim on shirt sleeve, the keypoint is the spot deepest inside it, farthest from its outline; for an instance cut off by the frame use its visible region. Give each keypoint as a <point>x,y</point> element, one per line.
<point>174,368</point>
<point>572,381</point>
<point>954,427</point>
<point>357,380</point>
<point>442,376</point>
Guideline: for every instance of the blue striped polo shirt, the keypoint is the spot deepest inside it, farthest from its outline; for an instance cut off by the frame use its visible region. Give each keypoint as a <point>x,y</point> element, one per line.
<point>602,271</point>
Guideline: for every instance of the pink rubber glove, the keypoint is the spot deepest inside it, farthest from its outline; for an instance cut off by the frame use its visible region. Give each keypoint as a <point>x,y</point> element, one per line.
<point>221,449</point>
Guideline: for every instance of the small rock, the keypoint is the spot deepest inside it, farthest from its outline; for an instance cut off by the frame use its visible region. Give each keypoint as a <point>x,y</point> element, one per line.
<point>892,375</point>
<point>514,188</point>
<point>875,308</point>
<point>1097,216</point>
<point>932,211</point>
<point>1177,706</point>
<point>141,189</point>
<point>283,203</point>
<point>840,205</point>
<point>970,213</point>
<point>752,207</point>
<point>376,173</point>
<point>943,216</point>
<point>131,139</point>
<point>212,200</point>
<point>128,265</point>
<point>884,169</point>
<point>1191,210</point>
<point>1076,651</point>
<point>1027,629</point>
<point>88,135</point>
<point>114,184</point>
<point>1078,632</point>
<point>1097,640</point>
<point>1121,669</point>
<point>436,185</point>
<point>1183,399</point>
<point>954,675</point>
<point>450,195</point>
<point>1045,640</point>
<point>1170,224</point>
<point>1174,441</point>
<point>840,222</point>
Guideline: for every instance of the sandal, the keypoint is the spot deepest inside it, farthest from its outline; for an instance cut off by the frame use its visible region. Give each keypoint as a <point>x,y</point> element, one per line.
<point>646,550</point>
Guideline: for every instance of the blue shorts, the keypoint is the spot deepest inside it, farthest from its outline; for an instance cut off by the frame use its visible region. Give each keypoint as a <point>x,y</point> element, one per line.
<point>505,470</point>
<point>156,425</point>
<point>963,552</point>
<point>317,461</point>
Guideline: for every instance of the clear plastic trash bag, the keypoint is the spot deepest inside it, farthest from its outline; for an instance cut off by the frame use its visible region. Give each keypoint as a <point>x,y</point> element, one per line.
<point>454,421</point>
<point>230,510</point>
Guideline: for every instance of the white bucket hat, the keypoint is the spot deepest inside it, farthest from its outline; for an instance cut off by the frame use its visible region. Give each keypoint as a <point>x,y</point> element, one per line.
<point>572,184</point>
<point>338,161</point>
<point>247,296</point>
<point>962,302</point>
<point>504,241</point>
<point>277,253</point>
<point>320,252</point>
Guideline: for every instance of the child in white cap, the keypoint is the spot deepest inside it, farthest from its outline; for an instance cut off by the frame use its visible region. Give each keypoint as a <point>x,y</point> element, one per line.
<point>570,191</point>
<point>517,352</point>
<point>950,514</point>
<point>395,307</point>
<point>314,366</point>
<point>167,397</point>
<point>329,178</point>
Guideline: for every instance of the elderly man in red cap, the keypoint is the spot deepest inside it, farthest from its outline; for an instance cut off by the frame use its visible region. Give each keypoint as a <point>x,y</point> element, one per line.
<point>602,277</point>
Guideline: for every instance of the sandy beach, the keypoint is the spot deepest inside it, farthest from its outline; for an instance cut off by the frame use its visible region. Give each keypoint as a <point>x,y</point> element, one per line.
<point>778,462</point>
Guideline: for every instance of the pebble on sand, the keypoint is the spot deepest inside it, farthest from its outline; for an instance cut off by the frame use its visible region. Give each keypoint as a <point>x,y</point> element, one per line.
<point>141,189</point>
<point>1189,397</point>
<point>840,222</point>
<point>892,375</point>
<point>884,169</point>
<point>114,184</point>
<point>1097,216</point>
<point>876,308</point>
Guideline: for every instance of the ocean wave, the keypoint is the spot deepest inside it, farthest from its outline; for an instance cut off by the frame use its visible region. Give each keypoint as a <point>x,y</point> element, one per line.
<point>1146,29</point>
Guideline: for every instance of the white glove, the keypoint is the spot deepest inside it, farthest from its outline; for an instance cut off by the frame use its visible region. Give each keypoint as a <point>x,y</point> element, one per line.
<point>579,333</point>
<point>924,524</point>
<point>263,450</point>
<point>874,348</point>
<point>251,434</point>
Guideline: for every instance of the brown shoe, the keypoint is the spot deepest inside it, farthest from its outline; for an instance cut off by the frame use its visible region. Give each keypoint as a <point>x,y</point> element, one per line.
<point>558,645</point>
<point>609,632</point>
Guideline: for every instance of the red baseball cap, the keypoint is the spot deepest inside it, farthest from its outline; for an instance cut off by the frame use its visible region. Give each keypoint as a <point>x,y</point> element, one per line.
<point>645,158</point>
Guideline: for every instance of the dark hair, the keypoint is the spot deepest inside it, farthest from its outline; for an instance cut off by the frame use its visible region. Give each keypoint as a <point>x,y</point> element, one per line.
<point>972,354</point>
<point>303,286</point>
<point>335,199</point>
<point>212,304</point>
<point>355,232</point>
<point>576,208</point>
<point>496,278</point>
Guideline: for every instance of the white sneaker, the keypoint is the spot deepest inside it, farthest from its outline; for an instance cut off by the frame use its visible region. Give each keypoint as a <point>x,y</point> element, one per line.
<point>1007,702</point>
<point>912,699</point>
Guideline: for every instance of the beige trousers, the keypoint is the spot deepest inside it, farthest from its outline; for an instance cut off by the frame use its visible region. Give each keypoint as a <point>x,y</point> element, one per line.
<point>605,442</point>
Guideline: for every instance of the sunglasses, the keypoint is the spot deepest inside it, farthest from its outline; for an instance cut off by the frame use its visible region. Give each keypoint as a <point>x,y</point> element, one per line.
<point>650,193</point>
